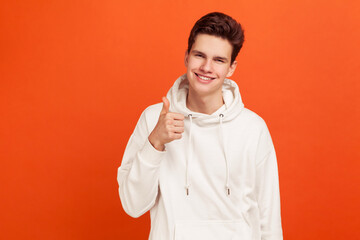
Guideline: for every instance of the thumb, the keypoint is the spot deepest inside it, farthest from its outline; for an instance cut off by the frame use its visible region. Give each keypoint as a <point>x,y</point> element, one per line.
<point>166,105</point>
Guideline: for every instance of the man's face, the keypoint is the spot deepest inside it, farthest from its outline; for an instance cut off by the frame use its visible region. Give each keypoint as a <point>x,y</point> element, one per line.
<point>208,64</point>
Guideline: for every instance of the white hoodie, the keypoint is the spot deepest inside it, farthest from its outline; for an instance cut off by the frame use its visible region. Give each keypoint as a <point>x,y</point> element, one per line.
<point>218,182</point>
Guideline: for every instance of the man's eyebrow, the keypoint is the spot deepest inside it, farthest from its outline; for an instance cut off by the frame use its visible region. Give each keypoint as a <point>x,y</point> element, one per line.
<point>216,57</point>
<point>221,58</point>
<point>197,52</point>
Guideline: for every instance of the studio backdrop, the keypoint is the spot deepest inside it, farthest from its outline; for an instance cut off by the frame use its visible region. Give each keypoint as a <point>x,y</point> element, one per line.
<point>76,75</point>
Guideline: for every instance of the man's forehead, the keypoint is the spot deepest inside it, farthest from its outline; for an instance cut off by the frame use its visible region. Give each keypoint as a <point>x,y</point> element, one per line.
<point>212,45</point>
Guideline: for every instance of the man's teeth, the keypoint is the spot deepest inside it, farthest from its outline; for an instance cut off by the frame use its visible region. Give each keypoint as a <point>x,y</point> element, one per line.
<point>204,78</point>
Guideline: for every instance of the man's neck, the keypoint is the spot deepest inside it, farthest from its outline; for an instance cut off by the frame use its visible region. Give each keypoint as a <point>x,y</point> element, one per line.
<point>204,104</point>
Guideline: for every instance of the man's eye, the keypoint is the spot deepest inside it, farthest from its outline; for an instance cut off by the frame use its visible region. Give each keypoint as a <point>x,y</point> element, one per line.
<point>198,55</point>
<point>219,60</point>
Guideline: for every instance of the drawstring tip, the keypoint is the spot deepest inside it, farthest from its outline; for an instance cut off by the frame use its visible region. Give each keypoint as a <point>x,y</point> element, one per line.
<point>187,191</point>
<point>228,191</point>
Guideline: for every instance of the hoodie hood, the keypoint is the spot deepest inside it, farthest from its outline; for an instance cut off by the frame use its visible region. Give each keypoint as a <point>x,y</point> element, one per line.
<point>233,104</point>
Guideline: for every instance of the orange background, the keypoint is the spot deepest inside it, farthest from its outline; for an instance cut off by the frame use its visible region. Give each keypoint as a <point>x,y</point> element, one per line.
<point>75,76</point>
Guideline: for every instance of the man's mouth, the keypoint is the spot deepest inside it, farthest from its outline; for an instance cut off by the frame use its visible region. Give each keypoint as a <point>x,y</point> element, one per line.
<point>203,77</point>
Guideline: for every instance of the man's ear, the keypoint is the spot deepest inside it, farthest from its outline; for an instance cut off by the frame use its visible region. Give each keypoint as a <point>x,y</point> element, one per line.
<point>186,58</point>
<point>232,69</point>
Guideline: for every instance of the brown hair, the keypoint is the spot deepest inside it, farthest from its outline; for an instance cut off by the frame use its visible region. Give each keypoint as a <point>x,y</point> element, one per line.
<point>220,25</point>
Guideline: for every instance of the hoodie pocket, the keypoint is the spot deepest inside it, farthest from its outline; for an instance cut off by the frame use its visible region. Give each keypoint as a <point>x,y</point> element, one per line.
<point>213,230</point>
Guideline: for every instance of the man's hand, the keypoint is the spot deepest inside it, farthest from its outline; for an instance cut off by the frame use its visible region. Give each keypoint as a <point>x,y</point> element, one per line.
<point>169,127</point>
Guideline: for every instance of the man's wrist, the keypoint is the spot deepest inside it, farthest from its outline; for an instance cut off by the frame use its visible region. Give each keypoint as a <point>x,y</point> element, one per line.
<point>156,144</point>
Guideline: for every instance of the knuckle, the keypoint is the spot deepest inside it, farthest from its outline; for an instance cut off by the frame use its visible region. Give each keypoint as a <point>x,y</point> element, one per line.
<point>179,116</point>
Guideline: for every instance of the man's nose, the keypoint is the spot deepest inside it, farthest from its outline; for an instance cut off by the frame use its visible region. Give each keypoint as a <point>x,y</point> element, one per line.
<point>206,65</point>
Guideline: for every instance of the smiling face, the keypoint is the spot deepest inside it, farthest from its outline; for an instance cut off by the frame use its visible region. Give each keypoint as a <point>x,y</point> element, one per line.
<point>208,63</point>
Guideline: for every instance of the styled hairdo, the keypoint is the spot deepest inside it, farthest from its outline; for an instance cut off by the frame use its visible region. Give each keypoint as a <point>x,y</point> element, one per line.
<point>220,25</point>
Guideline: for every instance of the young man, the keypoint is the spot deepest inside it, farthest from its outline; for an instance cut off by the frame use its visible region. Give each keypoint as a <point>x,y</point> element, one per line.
<point>204,165</point>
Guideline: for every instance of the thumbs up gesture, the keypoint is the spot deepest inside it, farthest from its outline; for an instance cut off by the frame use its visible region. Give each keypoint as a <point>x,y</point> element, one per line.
<point>169,127</point>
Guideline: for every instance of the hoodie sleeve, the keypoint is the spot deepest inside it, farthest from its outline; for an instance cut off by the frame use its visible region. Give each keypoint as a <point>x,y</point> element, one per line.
<point>138,174</point>
<point>267,189</point>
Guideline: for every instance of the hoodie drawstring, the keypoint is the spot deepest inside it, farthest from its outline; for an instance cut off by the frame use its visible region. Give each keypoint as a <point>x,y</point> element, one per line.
<point>189,158</point>
<point>227,187</point>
